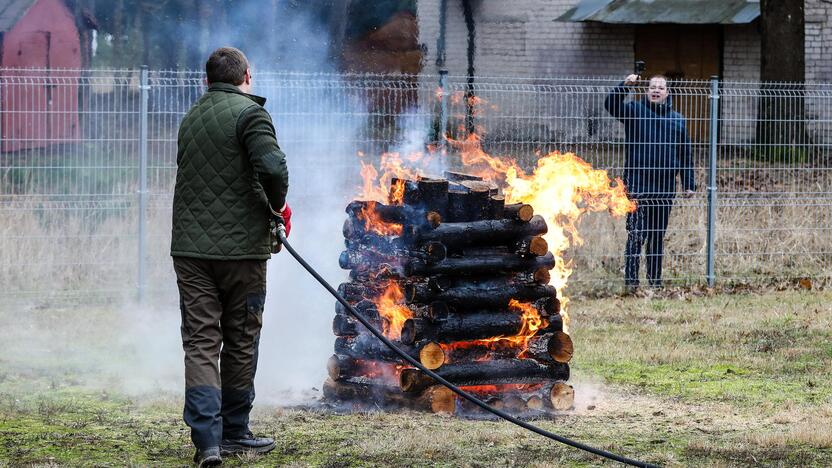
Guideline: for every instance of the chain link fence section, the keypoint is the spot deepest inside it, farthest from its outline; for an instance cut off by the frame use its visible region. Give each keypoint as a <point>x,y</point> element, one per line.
<point>87,170</point>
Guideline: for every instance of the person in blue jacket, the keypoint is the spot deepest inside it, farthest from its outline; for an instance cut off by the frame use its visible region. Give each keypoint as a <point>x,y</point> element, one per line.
<point>658,149</point>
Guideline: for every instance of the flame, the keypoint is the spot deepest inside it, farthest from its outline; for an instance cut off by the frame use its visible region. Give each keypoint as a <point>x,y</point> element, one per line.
<point>374,223</point>
<point>397,192</point>
<point>530,320</point>
<point>562,188</point>
<point>501,388</point>
<point>389,305</point>
<point>376,369</point>
<point>376,183</point>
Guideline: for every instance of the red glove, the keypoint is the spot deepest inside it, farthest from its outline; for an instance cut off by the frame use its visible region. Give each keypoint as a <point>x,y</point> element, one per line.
<point>286,214</point>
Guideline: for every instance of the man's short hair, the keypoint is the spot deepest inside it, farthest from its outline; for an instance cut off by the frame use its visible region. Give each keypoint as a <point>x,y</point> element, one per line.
<point>226,65</point>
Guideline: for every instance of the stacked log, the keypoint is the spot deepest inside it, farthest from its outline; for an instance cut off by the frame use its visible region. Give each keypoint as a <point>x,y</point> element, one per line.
<point>458,280</point>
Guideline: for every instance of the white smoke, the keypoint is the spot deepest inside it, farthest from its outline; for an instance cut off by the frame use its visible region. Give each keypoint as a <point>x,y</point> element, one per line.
<point>137,349</point>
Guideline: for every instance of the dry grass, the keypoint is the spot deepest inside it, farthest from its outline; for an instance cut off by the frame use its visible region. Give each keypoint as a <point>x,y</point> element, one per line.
<point>87,251</point>
<point>678,380</point>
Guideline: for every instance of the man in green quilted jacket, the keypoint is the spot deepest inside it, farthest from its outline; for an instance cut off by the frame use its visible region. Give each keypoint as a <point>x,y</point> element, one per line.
<point>231,182</point>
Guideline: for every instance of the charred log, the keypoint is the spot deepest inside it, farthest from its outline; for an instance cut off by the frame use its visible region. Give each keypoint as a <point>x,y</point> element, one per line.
<point>460,176</point>
<point>403,191</point>
<point>496,264</point>
<point>519,211</point>
<point>436,399</point>
<point>434,196</point>
<point>398,214</point>
<point>481,233</point>
<point>365,346</point>
<point>469,326</point>
<point>342,367</point>
<point>343,325</point>
<point>486,373</point>
<point>533,245</point>
<point>487,294</point>
<point>497,207</point>
<point>559,396</point>
<point>357,292</point>
<point>555,346</point>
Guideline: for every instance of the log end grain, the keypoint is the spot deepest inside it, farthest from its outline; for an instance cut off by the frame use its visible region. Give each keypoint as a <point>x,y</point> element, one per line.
<point>432,356</point>
<point>538,246</point>
<point>433,219</point>
<point>525,213</point>
<point>514,403</point>
<point>411,380</point>
<point>542,276</point>
<point>561,347</point>
<point>335,368</point>
<point>562,396</point>
<point>535,402</point>
<point>441,399</point>
<point>519,211</point>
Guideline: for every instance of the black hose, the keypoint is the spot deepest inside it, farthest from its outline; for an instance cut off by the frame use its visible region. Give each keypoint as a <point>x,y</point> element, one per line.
<point>281,232</point>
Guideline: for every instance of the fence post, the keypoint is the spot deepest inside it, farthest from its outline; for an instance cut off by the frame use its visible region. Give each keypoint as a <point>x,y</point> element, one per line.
<point>144,88</point>
<point>443,76</point>
<point>714,139</point>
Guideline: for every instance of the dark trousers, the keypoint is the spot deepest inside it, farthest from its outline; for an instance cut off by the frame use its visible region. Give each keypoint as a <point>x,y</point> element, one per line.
<point>646,225</point>
<point>221,302</point>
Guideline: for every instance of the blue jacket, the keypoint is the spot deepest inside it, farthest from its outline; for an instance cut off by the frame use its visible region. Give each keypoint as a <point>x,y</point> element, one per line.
<point>657,143</point>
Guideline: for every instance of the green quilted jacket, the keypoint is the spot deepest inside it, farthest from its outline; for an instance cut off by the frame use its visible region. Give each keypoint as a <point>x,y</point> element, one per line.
<point>229,171</point>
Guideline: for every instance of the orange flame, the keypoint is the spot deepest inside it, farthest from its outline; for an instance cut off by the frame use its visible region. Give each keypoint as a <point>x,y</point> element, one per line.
<point>376,183</point>
<point>501,388</point>
<point>397,192</point>
<point>379,370</point>
<point>530,320</point>
<point>374,223</point>
<point>562,188</point>
<point>390,308</point>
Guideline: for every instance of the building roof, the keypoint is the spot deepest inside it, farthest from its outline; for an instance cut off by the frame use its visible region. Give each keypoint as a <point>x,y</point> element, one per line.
<point>664,11</point>
<point>11,11</point>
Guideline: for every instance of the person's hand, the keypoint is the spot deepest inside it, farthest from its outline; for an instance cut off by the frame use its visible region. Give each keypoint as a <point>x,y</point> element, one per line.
<point>284,217</point>
<point>631,80</point>
<point>286,214</point>
<point>688,193</point>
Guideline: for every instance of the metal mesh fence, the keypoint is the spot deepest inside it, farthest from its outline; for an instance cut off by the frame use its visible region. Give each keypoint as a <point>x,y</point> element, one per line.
<point>88,163</point>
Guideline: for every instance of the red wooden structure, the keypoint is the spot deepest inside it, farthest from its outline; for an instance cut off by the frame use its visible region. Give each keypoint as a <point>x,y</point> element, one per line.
<point>38,108</point>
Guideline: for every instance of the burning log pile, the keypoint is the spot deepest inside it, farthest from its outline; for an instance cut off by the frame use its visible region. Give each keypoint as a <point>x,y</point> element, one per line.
<point>459,280</point>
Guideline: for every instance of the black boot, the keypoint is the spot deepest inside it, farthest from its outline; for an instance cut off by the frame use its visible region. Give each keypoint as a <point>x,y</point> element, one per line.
<point>207,457</point>
<point>247,443</point>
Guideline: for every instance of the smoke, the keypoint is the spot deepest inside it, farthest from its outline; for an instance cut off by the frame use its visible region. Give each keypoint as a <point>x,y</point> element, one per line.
<point>320,125</point>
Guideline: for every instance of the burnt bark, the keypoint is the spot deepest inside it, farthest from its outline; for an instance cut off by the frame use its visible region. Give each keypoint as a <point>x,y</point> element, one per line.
<point>490,294</point>
<point>366,346</point>
<point>497,207</point>
<point>436,399</point>
<point>519,211</point>
<point>472,266</point>
<point>398,214</point>
<point>468,326</point>
<point>483,233</point>
<point>434,195</point>
<point>552,345</point>
<point>509,371</point>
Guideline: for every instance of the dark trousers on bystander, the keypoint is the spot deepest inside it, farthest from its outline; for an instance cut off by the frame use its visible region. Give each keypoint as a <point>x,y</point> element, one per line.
<point>646,225</point>
<point>221,302</point>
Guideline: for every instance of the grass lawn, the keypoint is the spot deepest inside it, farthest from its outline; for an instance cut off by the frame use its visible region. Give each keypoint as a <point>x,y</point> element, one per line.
<point>685,379</point>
